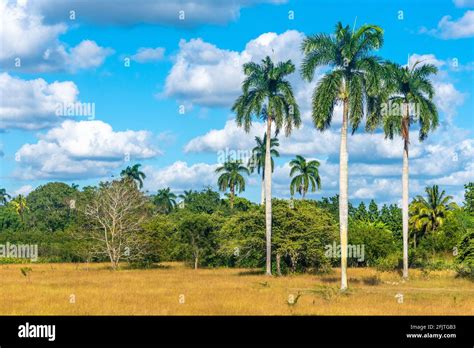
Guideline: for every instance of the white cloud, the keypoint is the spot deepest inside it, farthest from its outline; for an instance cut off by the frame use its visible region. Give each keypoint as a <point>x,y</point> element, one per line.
<point>449,28</point>
<point>180,176</point>
<point>447,98</point>
<point>423,59</point>
<point>124,12</point>
<point>204,74</point>
<point>458,178</point>
<point>84,149</point>
<point>31,104</point>
<point>29,44</point>
<point>87,54</point>
<point>207,75</point>
<point>148,54</point>
<point>24,190</point>
<point>230,136</point>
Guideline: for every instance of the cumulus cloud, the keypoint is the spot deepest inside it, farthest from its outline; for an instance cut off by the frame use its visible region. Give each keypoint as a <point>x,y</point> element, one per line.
<point>32,104</point>
<point>147,54</point>
<point>84,149</point>
<point>28,44</point>
<point>220,139</point>
<point>207,75</point>
<point>164,12</point>
<point>180,176</point>
<point>449,28</point>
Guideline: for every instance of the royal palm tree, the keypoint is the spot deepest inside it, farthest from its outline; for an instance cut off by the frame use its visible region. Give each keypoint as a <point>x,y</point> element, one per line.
<point>307,175</point>
<point>408,98</point>
<point>266,93</point>
<point>427,215</point>
<point>4,196</point>
<point>231,178</point>
<point>134,173</point>
<point>352,82</point>
<point>165,200</point>
<point>257,161</point>
<point>20,205</point>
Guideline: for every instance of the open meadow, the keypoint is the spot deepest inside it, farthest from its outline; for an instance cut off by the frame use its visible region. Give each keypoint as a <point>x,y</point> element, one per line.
<point>173,289</point>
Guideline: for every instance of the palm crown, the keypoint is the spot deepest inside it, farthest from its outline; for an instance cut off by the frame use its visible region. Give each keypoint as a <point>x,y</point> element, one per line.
<point>4,196</point>
<point>405,87</point>
<point>134,174</point>
<point>268,94</point>
<point>231,178</point>
<point>307,175</point>
<point>354,74</point>
<point>430,213</point>
<point>165,200</point>
<point>257,161</point>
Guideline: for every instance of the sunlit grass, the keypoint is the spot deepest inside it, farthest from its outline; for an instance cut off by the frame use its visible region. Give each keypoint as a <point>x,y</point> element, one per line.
<point>99,291</point>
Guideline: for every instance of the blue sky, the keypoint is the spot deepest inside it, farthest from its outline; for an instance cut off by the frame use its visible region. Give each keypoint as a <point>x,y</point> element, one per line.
<point>170,108</point>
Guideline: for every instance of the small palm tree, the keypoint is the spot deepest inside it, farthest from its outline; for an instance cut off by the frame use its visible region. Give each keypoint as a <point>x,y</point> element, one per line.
<point>351,81</point>
<point>231,178</point>
<point>407,98</point>
<point>266,93</point>
<point>307,175</point>
<point>20,205</point>
<point>257,161</point>
<point>134,173</point>
<point>186,195</point>
<point>4,196</point>
<point>165,200</point>
<point>427,215</point>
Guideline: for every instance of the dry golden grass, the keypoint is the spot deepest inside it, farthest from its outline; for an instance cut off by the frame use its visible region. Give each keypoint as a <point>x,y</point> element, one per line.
<point>48,288</point>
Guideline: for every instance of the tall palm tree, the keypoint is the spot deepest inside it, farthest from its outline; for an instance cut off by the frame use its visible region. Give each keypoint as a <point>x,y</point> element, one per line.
<point>351,81</point>
<point>4,196</point>
<point>266,93</point>
<point>307,175</point>
<point>257,161</point>
<point>407,99</point>
<point>165,200</point>
<point>427,215</point>
<point>231,178</point>
<point>134,174</point>
<point>20,205</point>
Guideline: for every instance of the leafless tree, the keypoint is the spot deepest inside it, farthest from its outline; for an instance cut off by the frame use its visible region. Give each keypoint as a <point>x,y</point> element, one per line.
<point>115,214</point>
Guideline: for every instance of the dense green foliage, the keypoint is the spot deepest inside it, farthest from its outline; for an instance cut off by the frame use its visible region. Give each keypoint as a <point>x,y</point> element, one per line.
<point>204,231</point>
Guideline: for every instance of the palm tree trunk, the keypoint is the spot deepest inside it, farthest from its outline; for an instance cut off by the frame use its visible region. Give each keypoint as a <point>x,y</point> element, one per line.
<point>405,196</point>
<point>343,195</point>
<point>262,194</point>
<point>231,196</point>
<point>268,198</point>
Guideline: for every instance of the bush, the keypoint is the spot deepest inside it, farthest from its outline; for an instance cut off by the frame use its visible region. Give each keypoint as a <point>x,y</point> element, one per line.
<point>376,238</point>
<point>388,263</point>
<point>465,257</point>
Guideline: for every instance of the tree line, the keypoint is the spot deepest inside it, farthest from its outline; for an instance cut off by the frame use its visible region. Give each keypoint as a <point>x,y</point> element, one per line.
<point>117,222</point>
